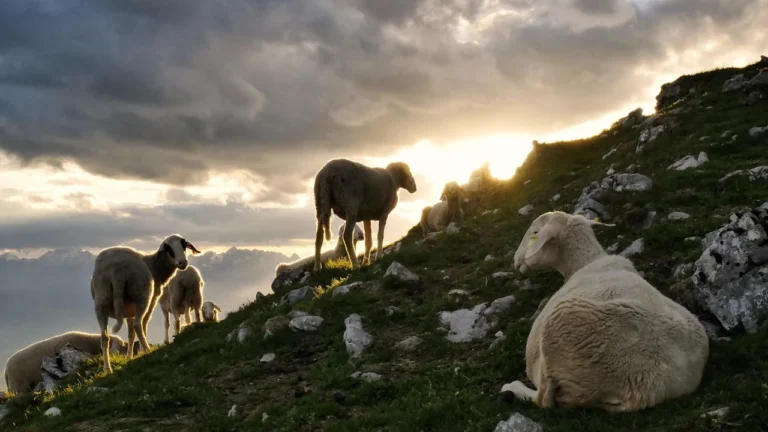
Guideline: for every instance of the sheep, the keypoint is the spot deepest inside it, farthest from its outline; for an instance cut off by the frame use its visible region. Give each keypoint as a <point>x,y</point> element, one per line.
<point>127,284</point>
<point>338,252</point>
<point>355,193</point>
<point>22,371</point>
<point>211,311</point>
<point>438,216</point>
<point>607,338</point>
<point>183,292</point>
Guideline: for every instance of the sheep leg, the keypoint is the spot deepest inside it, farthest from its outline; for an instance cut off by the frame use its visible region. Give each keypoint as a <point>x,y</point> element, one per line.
<point>131,335</point>
<point>187,317</point>
<point>142,309</point>
<point>102,318</point>
<point>520,391</point>
<point>198,313</point>
<point>380,245</point>
<point>368,242</point>
<point>318,247</point>
<point>167,322</point>
<point>176,322</point>
<point>349,243</point>
<point>150,308</point>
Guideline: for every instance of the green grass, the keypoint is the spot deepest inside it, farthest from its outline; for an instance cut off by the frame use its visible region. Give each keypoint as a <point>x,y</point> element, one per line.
<point>192,383</point>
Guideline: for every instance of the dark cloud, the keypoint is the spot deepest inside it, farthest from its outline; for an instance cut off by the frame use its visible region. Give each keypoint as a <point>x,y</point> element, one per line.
<point>160,90</point>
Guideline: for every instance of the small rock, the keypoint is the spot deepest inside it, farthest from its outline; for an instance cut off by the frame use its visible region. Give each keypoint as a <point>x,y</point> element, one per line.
<point>650,134</point>
<point>267,358</point>
<point>717,414</point>
<point>243,333</point>
<point>633,249</point>
<point>540,308</point>
<point>518,423</point>
<point>488,257</point>
<point>366,376</point>
<point>295,296</point>
<point>232,411</point>
<point>297,313</point>
<point>452,228</point>
<point>499,305</point>
<point>757,131</point>
<point>52,412</point>
<point>689,162</point>
<point>734,83</point>
<point>458,292</point>
<point>612,248</point>
<point>675,216</point>
<point>355,338</point>
<point>556,197</point>
<point>500,277</point>
<point>607,155</point>
<point>409,343</point>
<point>682,271</point>
<point>525,183</point>
<point>611,171</point>
<point>525,210</point>
<point>756,173</point>
<point>264,417</point>
<point>753,97</point>
<point>692,239</point>
<point>399,272</point>
<point>97,390</point>
<point>392,311</point>
<point>344,289</point>
<point>339,396</point>
<point>305,323</point>
<point>465,325</point>
<point>275,324</point>
<point>500,337</point>
<point>305,278</point>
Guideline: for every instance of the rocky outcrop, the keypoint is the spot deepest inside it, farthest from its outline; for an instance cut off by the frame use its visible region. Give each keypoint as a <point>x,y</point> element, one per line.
<point>730,278</point>
<point>63,364</point>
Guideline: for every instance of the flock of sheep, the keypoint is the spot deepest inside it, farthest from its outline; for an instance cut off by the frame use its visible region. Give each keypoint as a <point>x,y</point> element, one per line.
<point>606,339</point>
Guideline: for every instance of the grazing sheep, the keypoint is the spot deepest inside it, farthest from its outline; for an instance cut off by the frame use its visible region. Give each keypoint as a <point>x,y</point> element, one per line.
<point>211,311</point>
<point>127,284</point>
<point>607,339</point>
<point>22,371</point>
<point>355,193</point>
<point>183,293</point>
<point>438,216</point>
<point>336,253</point>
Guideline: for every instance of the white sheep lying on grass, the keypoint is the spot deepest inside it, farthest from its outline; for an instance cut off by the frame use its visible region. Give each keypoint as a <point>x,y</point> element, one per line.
<point>22,371</point>
<point>183,293</point>
<point>127,284</point>
<point>338,252</point>
<point>607,338</point>
<point>211,311</point>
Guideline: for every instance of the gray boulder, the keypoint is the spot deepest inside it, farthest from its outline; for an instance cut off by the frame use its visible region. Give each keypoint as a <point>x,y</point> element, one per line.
<point>756,173</point>
<point>518,423</point>
<point>308,323</point>
<point>355,338</point>
<point>730,278</point>
<point>345,289</point>
<point>63,364</point>
<point>399,272</point>
<point>734,83</point>
<point>295,296</point>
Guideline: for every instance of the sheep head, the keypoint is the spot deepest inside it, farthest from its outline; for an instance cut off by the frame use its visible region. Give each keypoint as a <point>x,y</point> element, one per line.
<point>357,235</point>
<point>451,190</point>
<point>176,246</point>
<point>211,311</point>
<point>540,246</point>
<point>401,172</point>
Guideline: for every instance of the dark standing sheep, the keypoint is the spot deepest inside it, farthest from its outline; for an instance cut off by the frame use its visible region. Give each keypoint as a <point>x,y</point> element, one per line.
<point>355,193</point>
<point>127,284</point>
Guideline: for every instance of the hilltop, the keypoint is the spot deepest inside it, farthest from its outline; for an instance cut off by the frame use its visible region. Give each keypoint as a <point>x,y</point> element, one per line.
<point>636,174</point>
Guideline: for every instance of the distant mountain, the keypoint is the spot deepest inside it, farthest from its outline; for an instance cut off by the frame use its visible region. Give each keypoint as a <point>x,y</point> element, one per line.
<point>50,294</point>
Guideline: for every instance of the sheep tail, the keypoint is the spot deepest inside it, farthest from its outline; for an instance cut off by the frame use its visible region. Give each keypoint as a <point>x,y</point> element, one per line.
<point>323,206</point>
<point>118,290</point>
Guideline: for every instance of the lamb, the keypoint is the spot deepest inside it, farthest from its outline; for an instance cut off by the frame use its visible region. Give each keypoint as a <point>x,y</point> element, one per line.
<point>211,311</point>
<point>22,371</point>
<point>127,284</point>
<point>607,339</point>
<point>183,293</point>
<point>448,210</point>
<point>356,192</point>
<point>336,253</point>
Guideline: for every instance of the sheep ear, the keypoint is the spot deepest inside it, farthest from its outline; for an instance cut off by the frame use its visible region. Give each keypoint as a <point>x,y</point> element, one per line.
<point>596,222</point>
<point>538,241</point>
<point>192,247</point>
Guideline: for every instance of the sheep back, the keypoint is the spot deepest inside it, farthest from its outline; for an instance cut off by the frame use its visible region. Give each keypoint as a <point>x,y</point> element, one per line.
<point>605,333</point>
<point>184,291</point>
<point>120,265</point>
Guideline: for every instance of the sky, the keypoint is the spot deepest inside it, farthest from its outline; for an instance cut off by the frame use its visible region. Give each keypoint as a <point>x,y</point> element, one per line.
<point>122,121</point>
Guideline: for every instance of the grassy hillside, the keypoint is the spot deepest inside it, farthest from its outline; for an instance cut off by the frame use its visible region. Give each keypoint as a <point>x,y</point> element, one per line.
<point>440,386</point>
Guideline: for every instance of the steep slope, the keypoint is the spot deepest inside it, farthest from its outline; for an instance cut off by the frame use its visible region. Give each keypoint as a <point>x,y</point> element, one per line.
<point>440,385</point>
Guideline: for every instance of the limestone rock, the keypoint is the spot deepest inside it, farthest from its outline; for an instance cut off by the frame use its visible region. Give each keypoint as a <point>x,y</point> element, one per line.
<point>525,210</point>
<point>734,83</point>
<point>518,423</point>
<point>633,249</point>
<point>295,296</point>
<point>756,173</point>
<point>689,162</point>
<point>275,324</point>
<point>399,272</point>
<point>308,323</point>
<point>355,338</point>
<point>345,289</point>
<point>675,216</point>
<point>409,343</point>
